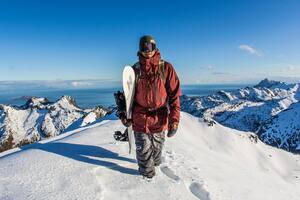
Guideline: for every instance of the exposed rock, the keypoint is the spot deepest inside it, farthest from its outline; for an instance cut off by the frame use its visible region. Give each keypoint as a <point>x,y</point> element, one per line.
<point>93,115</point>
<point>266,83</point>
<point>36,102</point>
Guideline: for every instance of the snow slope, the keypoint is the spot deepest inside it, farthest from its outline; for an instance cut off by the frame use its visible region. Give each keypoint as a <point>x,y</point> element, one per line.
<point>200,162</point>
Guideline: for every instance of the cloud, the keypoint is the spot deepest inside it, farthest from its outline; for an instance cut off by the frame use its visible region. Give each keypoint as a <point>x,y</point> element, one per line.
<point>58,84</point>
<point>222,73</point>
<point>289,69</point>
<point>81,83</point>
<point>250,50</point>
<point>292,67</point>
<point>208,67</point>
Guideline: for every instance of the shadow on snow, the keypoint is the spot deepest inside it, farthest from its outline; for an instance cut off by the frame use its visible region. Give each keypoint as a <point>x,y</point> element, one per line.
<point>88,154</point>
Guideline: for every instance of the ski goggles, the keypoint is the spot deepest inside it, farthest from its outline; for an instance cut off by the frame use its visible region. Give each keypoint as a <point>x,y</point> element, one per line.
<point>148,47</point>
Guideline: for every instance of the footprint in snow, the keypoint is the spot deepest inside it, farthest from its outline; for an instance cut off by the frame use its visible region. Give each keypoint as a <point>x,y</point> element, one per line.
<point>169,173</point>
<point>198,190</point>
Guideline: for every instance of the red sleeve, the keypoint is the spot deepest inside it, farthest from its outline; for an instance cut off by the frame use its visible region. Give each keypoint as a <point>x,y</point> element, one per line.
<point>174,93</point>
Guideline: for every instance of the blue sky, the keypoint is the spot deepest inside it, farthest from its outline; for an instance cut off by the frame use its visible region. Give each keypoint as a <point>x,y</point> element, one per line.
<point>206,41</point>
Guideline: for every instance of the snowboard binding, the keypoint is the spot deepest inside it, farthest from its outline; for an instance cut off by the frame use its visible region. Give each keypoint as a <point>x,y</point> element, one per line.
<point>119,136</point>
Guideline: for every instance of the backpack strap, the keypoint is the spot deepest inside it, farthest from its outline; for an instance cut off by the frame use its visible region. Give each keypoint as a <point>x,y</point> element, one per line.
<point>161,70</point>
<point>137,69</point>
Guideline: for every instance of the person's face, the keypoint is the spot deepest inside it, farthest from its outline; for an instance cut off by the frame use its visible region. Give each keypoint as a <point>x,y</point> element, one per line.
<point>148,49</point>
<point>149,54</point>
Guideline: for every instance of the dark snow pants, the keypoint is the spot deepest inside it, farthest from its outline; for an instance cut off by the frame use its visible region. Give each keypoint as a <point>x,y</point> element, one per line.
<point>148,151</point>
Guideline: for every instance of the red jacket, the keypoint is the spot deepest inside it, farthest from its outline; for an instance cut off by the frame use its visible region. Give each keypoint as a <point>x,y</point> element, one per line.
<point>156,102</point>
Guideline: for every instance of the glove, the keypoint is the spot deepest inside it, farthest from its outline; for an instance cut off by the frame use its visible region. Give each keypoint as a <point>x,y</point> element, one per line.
<point>126,122</point>
<point>172,129</point>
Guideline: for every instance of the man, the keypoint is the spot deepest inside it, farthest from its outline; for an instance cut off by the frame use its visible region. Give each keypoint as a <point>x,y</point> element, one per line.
<point>156,107</point>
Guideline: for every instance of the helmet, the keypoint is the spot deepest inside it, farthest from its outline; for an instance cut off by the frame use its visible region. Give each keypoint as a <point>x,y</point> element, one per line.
<point>147,44</point>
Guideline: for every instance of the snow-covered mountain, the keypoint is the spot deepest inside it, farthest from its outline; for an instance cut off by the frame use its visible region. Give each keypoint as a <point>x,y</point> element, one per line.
<point>39,119</point>
<point>260,109</point>
<point>270,109</point>
<point>199,162</point>
<point>283,130</point>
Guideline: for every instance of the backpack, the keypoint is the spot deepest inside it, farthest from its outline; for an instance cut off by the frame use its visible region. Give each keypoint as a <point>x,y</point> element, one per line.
<point>161,71</point>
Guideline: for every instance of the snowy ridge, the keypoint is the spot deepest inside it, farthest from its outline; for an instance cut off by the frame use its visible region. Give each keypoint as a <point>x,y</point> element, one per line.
<point>253,109</point>
<point>39,119</point>
<point>200,162</point>
<point>284,129</point>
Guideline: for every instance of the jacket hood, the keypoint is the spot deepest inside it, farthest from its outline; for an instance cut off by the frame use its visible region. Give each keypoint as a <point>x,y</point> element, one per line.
<point>149,64</point>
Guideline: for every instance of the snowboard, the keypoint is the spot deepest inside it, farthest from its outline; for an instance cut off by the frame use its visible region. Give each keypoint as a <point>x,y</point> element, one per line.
<point>129,91</point>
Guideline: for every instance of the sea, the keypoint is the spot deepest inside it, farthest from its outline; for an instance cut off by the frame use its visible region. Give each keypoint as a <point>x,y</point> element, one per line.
<point>88,98</point>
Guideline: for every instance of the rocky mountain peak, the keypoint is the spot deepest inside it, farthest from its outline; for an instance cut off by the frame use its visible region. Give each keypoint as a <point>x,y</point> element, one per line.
<point>36,102</point>
<point>266,83</point>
